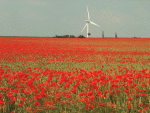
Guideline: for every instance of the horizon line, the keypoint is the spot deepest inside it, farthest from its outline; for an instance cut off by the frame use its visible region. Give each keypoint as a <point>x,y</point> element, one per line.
<point>61,35</point>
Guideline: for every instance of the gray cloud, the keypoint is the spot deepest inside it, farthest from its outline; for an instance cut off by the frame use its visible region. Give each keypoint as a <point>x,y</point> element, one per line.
<point>142,12</point>
<point>32,14</point>
<point>3,16</point>
<point>34,2</point>
<point>110,16</point>
<point>2,1</point>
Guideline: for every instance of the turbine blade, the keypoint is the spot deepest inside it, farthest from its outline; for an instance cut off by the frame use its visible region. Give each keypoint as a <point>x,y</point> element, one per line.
<point>94,23</point>
<point>88,13</point>
<point>84,27</point>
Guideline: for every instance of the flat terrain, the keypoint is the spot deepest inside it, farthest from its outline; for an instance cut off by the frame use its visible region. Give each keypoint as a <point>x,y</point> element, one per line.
<point>74,75</point>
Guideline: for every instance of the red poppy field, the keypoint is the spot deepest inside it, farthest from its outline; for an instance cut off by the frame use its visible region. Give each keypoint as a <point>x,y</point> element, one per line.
<point>52,75</point>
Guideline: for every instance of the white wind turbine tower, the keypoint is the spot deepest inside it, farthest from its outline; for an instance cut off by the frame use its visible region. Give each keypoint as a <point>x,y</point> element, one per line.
<point>87,23</point>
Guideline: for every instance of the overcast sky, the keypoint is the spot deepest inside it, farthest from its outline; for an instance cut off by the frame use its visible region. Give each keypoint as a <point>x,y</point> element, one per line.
<point>128,18</point>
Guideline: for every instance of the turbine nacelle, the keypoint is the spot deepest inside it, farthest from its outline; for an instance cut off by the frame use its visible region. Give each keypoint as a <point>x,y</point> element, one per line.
<point>87,21</point>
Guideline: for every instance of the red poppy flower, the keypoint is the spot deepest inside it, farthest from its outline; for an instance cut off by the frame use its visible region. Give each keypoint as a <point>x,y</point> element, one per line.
<point>127,91</point>
<point>143,94</point>
<point>37,103</point>
<point>1,96</point>
<point>118,91</point>
<point>92,106</point>
<point>102,104</point>
<point>81,94</point>
<point>89,93</point>
<point>129,99</point>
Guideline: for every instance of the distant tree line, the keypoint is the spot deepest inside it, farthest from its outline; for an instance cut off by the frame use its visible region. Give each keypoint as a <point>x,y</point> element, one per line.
<point>67,36</point>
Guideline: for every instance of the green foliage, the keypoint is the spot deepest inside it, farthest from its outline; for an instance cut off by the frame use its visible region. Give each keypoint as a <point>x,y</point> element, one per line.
<point>81,36</point>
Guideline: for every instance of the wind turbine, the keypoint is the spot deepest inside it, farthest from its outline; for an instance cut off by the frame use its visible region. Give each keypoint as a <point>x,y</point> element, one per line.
<point>87,23</point>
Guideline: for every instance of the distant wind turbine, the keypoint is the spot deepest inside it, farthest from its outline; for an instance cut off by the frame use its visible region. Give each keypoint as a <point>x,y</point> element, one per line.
<point>87,23</point>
